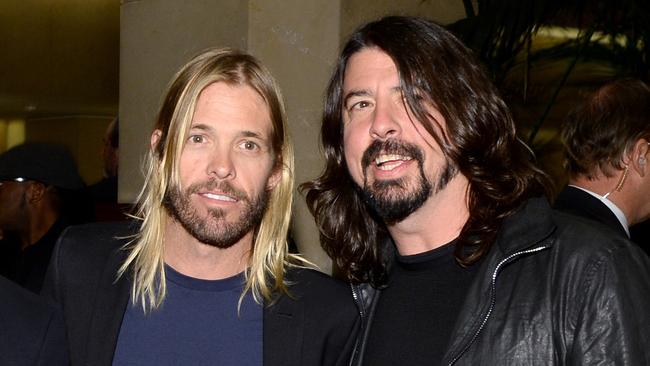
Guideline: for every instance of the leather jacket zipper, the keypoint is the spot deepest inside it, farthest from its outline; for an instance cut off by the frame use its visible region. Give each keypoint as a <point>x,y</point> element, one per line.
<point>493,298</point>
<point>357,299</point>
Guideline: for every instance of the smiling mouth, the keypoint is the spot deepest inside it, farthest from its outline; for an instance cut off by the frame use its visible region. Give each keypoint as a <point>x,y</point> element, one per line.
<point>391,161</point>
<point>218,197</point>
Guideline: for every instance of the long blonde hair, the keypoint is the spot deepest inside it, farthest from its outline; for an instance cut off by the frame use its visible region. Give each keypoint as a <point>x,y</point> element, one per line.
<point>269,257</point>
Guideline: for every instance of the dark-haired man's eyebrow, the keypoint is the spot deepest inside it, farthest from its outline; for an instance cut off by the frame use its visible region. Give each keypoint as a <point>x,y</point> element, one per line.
<point>354,93</point>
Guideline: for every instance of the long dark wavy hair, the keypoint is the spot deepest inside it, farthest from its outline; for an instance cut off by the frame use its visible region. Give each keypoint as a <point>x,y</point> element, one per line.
<point>480,141</point>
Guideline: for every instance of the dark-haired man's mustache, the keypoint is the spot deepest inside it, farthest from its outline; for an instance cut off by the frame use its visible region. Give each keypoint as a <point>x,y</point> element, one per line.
<point>390,146</point>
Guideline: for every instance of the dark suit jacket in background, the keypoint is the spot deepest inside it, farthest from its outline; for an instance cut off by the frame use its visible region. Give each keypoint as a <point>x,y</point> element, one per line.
<point>31,330</point>
<point>580,203</point>
<point>315,327</point>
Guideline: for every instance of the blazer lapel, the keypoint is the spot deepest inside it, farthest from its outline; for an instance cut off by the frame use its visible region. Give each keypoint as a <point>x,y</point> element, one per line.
<point>282,334</point>
<point>111,301</point>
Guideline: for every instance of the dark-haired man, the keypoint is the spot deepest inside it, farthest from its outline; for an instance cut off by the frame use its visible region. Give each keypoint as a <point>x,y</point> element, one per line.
<point>607,141</point>
<point>430,200</point>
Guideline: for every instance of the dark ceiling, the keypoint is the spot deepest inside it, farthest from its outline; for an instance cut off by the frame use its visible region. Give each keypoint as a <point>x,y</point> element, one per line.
<point>59,58</point>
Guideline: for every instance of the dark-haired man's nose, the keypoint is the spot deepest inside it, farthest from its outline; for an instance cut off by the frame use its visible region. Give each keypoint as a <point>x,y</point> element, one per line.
<point>384,124</point>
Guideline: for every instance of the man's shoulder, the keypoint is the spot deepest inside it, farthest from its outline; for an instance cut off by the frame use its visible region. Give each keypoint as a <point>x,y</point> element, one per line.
<point>316,291</point>
<point>34,325</point>
<point>570,194</point>
<point>584,231</point>
<point>309,279</point>
<point>106,231</point>
<point>22,306</point>
<point>588,239</point>
<point>87,247</point>
<point>579,202</point>
<point>320,310</point>
<point>571,238</point>
<point>98,237</point>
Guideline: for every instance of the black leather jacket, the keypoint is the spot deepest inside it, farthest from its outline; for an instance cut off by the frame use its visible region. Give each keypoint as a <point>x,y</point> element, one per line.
<point>553,290</point>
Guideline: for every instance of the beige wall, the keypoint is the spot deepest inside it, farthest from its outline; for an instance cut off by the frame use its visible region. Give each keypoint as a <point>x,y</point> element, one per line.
<point>297,40</point>
<point>299,47</point>
<point>156,38</point>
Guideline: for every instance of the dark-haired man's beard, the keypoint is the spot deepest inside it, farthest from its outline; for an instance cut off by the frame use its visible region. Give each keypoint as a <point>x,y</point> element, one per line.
<point>214,229</point>
<point>395,199</point>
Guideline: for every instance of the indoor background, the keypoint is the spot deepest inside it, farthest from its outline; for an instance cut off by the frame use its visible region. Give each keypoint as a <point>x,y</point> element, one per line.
<point>68,67</point>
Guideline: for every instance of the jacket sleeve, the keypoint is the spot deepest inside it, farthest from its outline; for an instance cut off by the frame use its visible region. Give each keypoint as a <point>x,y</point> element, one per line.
<point>54,348</point>
<point>612,314</point>
<point>52,279</point>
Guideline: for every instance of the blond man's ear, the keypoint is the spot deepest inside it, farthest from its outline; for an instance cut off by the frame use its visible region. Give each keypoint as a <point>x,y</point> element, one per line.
<point>155,138</point>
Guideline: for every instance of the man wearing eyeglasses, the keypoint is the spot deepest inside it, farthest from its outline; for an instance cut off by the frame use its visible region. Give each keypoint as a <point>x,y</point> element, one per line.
<point>607,141</point>
<point>35,182</point>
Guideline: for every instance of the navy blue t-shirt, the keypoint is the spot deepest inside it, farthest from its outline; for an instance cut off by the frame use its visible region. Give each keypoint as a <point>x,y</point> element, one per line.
<point>197,324</point>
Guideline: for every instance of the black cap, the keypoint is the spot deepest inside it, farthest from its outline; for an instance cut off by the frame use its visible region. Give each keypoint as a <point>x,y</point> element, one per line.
<point>49,164</point>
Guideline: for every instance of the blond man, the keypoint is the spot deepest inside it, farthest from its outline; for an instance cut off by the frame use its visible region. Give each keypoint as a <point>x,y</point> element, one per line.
<point>204,277</point>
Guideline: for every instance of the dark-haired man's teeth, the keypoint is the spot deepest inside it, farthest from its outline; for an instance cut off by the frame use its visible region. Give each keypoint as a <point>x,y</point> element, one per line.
<point>382,159</point>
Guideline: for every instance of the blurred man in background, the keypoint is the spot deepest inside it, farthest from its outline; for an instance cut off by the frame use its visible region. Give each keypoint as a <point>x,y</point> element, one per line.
<point>39,195</point>
<point>607,141</point>
<point>106,189</point>
<point>104,192</point>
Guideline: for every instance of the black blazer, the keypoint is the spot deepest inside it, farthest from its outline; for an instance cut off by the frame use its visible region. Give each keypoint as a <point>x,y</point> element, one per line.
<point>31,330</point>
<point>580,203</point>
<point>315,326</point>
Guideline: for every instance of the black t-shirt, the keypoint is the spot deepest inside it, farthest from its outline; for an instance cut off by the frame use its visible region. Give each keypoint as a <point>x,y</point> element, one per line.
<point>417,311</point>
